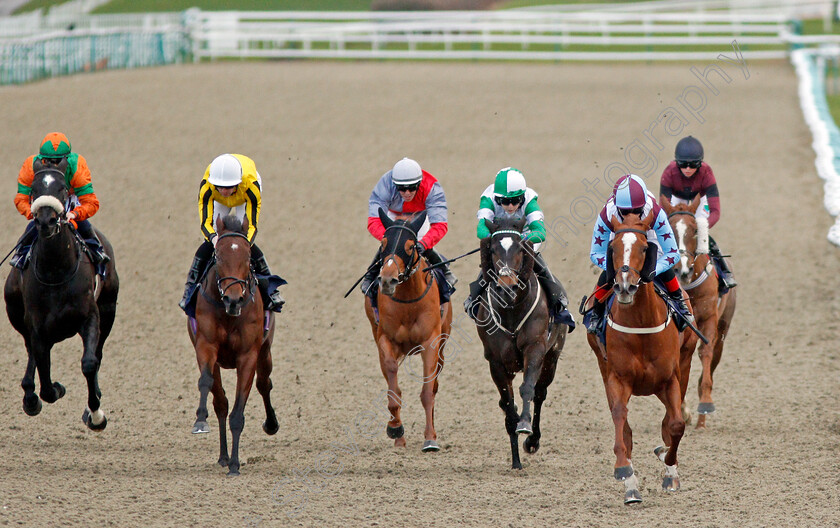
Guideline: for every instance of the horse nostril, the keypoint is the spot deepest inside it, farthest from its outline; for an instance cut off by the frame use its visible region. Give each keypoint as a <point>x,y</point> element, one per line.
<point>633,288</point>
<point>616,288</point>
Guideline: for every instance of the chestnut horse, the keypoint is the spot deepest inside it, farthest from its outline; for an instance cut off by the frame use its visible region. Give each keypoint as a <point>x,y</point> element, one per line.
<point>231,330</point>
<point>410,320</point>
<point>642,354</point>
<point>515,326</point>
<point>712,311</point>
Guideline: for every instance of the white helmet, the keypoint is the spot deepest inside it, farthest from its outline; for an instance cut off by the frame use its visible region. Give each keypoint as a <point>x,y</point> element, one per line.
<point>406,171</point>
<point>225,171</point>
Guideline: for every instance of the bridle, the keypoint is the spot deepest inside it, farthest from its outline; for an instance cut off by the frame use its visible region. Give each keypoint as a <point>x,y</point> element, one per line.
<point>246,284</point>
<point>684,213</point>
<point>701,277</point>
<point>411,267</point>
<point>505,270</point>
<point>625,268</point>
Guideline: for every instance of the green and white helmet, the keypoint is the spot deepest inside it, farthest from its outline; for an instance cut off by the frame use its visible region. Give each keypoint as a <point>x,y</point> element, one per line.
<point>510,183</point>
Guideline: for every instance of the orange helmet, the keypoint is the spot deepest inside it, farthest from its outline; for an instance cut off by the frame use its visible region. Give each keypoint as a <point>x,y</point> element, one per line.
<point>55,145</point>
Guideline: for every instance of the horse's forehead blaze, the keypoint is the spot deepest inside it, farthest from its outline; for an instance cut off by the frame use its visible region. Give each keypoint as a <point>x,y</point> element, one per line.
<point>506,243</point>
<point>627,239</point>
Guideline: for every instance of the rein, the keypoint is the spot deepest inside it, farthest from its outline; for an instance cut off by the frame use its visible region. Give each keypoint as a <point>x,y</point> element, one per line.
<point>498,322</point>
<point>248,285</point>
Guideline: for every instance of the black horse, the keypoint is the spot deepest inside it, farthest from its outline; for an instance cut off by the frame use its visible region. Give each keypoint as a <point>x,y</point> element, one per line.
<point>59,295</point>
<point>516,329</point>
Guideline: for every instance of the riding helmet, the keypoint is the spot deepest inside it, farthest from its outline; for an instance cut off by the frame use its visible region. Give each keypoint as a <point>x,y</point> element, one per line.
<point>225,171</point>
<point>630,192</point>
<point>406,172</point>
<point>688,149</point>
<point>510,183</point>
<point>55,145</point>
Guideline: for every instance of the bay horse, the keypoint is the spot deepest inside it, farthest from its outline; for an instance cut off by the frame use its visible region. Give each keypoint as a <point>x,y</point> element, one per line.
<point>516,329</point>
<point>59,295</point>
<point>641,356</point>
<point>232,330</point>
<point>410,320</point>
<point>712,310</point>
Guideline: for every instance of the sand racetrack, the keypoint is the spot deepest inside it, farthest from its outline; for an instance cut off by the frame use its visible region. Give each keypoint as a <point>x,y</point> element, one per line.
<point>322,133</point>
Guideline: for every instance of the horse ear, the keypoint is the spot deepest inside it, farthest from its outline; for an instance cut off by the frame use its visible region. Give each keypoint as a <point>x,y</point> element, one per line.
<point>695,203</point>
<point>615,222</point>
<point>519,225</point>
<point>37,165</point>
<point>665,203</point>
<point>245,225</point>
<point>648,220</point>
<point>383,216</point>
<point>417,223</point>
<point>220,224</point>
<point>491,225</point>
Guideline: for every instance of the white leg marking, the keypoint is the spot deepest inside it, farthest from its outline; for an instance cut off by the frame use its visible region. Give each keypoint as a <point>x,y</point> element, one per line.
<point>97,417</point>
<point>631,483</point>
<point>671,471</point>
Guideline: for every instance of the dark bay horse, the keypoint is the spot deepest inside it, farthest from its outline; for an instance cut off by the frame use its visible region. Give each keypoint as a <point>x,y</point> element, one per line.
<point>410,321</point>
<point>59,295</point>
<point>642,354</point>
<point>231,330</point>
<point>712,310</point>
<point>516,329</point>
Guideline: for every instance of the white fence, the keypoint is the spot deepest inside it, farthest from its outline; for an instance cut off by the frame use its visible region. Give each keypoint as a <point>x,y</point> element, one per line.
<point>498,35</point>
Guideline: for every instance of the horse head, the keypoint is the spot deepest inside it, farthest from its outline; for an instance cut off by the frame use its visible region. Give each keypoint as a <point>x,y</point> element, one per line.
<point>233,264</point>
<point>684,224</point>
<point>507,255</point>
<point>49,194</point>
<point>399,252</point>
<point>632,259</point>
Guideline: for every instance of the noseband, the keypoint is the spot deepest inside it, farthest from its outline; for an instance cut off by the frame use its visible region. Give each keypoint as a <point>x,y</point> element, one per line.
<point>246,284</point>
<point>505,270</point>
<point>411,267</point>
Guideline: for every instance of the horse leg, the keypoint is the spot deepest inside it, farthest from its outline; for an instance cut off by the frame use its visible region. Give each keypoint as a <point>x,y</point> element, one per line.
<point>619,394</point>
<point>673,427</point>
<point>93,416</point>
<point>389,365</point>
<point>50,391</point>
<point>686,355</point>
<point>31,402</point>
<point>264,386</point>
<point>206,356</point>
<point>245,369</point>
<point>220,405</point>
<point>534,356</point>
<point>432,367</point>
<point>549,366</point>
<point>503,382</point>
<point>107,313</point>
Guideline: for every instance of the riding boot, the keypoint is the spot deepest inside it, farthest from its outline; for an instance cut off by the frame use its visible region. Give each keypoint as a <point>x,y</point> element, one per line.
<point>275,300</point>
<point>436,258</point>
<point>594,317</point>
<point>92,240</point>
<point>23,246</point>
<point>682,308</point>
<point>725,273</point>
<point>472,302</point>
<point>193,276</point>
<point>372,273</point>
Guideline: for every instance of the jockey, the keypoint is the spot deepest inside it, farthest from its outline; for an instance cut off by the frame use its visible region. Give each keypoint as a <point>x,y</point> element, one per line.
<point>681,181</point>
<point>231,186</point>
<point>630,196</point>
<point>407,189</point>
<point>82,202</point>
<point>509,196</point>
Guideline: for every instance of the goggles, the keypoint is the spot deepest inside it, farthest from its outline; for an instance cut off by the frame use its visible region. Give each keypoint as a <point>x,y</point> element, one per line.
<point>694,164</point>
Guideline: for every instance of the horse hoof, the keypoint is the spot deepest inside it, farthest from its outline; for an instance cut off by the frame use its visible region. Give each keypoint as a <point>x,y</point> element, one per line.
<point>705,408</point>
<point>531,445</point>
<point>233,473</point>
<point>671,484</point>
<point>200,427</point>
<point>430,446</point>
<point>395,432</point>
<point>632,497</point>
<point>33,406</point>
<point>270,430</point>
<point>661,452</point>
<point>623,472</point>
<point>524,427</point>
<point>87,419</point>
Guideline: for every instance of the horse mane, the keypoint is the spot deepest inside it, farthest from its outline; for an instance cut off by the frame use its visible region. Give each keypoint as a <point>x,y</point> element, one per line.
<point>486,257</point>
<point>233,223</point>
